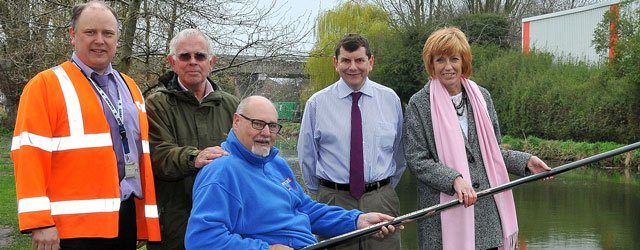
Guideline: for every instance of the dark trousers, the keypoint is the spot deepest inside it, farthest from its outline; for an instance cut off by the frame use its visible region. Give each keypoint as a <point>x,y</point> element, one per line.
<point>127,233</point>
<point>384,200</point>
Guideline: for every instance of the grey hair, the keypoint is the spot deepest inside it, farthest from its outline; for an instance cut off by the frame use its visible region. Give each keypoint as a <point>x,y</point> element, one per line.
<point>187,33</point>
<point>79,8</point>
<point>242,107</point>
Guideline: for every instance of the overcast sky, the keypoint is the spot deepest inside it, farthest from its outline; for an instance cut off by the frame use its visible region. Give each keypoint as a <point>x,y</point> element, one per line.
<point>298,8</point>
<point>314,6</point>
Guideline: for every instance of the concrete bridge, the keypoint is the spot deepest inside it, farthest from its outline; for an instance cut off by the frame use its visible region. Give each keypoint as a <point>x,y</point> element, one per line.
<point>277,67</point>
<point>279,79</point>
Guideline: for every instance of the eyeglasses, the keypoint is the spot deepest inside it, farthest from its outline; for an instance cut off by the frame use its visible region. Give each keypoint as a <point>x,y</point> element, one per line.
<point>259,124</point>
<point>199,56</point>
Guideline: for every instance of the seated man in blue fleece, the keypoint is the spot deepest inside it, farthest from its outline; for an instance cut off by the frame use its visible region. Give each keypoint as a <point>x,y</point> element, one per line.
<point>251,199</point>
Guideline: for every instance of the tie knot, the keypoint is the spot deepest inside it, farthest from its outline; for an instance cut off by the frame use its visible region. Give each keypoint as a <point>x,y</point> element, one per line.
<point>355,96</point>
<point>101,80</point>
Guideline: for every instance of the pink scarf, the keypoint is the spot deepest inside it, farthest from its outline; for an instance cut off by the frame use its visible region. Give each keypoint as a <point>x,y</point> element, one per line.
<point>458,223</point>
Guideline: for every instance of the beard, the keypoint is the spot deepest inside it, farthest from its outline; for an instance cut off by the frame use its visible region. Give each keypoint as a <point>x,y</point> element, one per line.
<point>259,149</point>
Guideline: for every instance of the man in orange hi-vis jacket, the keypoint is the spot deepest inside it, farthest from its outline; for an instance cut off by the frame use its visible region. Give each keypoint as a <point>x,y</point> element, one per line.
<point>80,147</point>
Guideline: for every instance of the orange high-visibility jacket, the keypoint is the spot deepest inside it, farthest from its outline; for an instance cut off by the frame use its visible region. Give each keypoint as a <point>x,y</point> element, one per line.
<point>64,163</point>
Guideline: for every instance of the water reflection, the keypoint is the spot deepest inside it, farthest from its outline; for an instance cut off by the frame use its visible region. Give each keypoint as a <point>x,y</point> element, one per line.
<point>577,210</point>
<point>408,201</point>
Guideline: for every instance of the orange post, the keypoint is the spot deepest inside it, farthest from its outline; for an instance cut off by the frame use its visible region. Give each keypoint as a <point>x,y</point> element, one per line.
<point>525,37</point>
<point>613,30</point>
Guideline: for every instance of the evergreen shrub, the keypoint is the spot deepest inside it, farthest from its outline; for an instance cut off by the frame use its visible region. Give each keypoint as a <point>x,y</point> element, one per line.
<point>535,94</point>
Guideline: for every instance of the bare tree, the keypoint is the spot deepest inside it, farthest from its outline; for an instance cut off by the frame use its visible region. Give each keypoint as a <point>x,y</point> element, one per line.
<point>33,36</point>
<point>506,7</point>
<point>407,13</point>
<point>129,30</point>
<point>237,27</point>
<point>32,39</point>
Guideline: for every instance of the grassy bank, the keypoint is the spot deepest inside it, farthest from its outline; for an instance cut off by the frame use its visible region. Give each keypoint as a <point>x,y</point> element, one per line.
<point>568,151</point>
<point>550,150</point>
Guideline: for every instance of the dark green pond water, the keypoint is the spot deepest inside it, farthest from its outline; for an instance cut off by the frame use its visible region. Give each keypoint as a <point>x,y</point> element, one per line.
<point>576,210</point>
<point>580,209</point>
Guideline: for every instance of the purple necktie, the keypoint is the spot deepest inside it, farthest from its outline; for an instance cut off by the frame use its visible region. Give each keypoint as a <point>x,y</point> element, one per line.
<point>356,163</point>
<point>103,83</point>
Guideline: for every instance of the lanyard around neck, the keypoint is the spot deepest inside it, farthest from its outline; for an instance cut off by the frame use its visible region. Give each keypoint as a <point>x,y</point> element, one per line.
<point>118,113</point>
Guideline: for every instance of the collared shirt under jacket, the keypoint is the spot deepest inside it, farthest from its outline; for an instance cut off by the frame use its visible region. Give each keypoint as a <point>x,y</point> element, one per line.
<point>179,127</point>
<point>65,165</point>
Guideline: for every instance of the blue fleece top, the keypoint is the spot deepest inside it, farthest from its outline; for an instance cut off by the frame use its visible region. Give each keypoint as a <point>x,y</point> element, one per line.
<point>246,201</point>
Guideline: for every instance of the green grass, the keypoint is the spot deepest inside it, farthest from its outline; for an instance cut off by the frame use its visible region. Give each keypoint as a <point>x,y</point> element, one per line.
<point>566,151</point>
<point>8,214</point>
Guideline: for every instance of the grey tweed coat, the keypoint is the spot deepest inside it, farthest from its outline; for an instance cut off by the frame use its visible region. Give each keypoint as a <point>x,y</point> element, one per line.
<point>434,177</point>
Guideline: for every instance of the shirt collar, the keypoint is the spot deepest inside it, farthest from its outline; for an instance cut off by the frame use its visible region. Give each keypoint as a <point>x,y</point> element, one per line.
<point>88,70</point>
<point>344,90</point>
<point>208,89</point>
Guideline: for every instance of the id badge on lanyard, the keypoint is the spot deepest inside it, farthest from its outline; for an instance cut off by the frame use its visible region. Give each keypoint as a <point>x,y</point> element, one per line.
<point>131,169</point>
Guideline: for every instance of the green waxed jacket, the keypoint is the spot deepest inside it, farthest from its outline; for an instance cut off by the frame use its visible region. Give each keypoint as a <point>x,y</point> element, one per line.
<point>179,127</point>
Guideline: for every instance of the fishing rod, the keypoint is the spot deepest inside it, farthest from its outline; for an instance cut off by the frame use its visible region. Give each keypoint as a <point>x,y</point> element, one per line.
<point>427,212</point>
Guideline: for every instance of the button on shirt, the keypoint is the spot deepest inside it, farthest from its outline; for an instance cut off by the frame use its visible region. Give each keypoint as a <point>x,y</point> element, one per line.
<point>111,81</point>
<point>324,140</point>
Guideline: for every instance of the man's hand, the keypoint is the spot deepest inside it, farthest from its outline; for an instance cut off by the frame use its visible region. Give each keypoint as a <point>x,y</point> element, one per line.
<point>207,155</point>
<point>45,239</point>
<point>140,244</point>
<point>279,247</point>
<point>368,219</point>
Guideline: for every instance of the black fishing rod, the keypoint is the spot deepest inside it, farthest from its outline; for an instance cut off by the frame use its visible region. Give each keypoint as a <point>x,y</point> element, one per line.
<point>427,212</point>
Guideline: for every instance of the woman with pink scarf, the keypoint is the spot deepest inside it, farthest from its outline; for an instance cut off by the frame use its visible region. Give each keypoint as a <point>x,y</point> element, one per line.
<point>452,145</point>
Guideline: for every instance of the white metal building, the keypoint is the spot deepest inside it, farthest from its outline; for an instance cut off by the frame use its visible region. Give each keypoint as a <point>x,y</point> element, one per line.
<point>568,33</point>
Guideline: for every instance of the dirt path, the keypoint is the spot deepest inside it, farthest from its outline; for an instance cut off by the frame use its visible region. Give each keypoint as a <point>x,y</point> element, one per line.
<point>5,236</point>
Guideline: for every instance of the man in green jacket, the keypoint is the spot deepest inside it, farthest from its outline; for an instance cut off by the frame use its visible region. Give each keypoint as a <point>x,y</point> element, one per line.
<point>188,119</point>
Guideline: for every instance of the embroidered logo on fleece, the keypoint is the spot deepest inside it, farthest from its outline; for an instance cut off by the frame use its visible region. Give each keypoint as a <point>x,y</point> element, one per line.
<point>287,183</point>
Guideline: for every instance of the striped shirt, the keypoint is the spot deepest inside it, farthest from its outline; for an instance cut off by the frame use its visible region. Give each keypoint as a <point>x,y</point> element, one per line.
<point>324,140</point>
